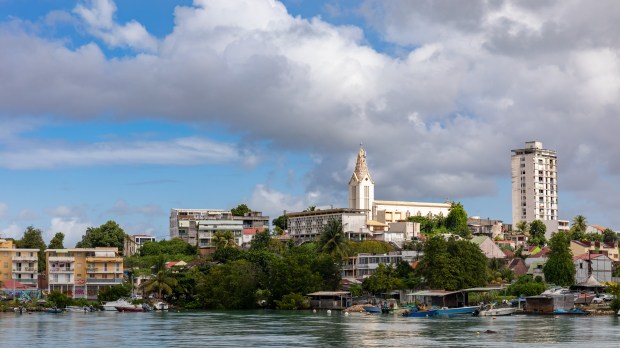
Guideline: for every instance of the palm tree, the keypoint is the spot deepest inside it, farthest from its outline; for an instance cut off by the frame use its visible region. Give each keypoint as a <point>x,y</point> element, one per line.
<point>523,227</point>
<point>162,282</point>
<point>580,223</point>
<point>332,240</point>
<point>224,239</point>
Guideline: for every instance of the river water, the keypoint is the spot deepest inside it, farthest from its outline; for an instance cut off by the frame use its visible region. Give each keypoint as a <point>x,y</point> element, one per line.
<point>299,329</point>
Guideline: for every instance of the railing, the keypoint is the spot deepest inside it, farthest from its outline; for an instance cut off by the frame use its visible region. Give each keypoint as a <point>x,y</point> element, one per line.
<point>102,270</point>
<point>25,258</point>
<point>62,259</point>
<point>61,269</point>
<point>59,282</point>
<point>104,281</point>
<point>25,269</point>
<point>27,281</point>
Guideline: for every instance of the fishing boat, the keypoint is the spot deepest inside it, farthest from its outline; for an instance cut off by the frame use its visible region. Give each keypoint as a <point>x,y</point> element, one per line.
<point>111,305</point>
<point>456,310</point>
<point>372,309</point>
<point>490,311</point>
<point>420,313</point>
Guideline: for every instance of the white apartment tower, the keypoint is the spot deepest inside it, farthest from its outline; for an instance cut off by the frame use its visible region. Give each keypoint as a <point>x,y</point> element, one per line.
<point>361,186</point>
<point>534,185</point>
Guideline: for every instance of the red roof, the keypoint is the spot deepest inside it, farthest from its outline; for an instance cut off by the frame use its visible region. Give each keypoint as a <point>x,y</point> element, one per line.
<point>170,264</point>
<point>12,284</point>
<point>508,253</point>
<point>586,256</point>
<point>247,231</point>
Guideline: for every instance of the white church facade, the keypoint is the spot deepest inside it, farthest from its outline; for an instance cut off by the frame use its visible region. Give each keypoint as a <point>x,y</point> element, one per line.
<point>366,217</point>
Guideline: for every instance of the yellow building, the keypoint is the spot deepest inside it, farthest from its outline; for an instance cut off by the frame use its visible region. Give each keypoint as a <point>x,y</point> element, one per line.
<point>609,249</point>
<point>83,272</point>
<point>16,264</point>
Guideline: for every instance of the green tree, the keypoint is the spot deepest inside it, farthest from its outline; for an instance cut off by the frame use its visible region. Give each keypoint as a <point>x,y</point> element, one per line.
<point>32,239</point>
<point>280,222</point>
<point>261,241</point>
<point>593,237</point>
<point>523,227</point>
<point>109,234</point>
<point>115,292</point>
<point>369,247</point>
<point>229,286</point>
<point>222,239</point>
<point>174,246</point>
<point>579,223</point>
<point>240,210</point>
<point>456,221</point>
<point>292,301</point>
<point>57,241</point>
<point>382,281</point>
<point>559,268</point>
<point>58,299</point>
<point>610,236</point>
<point>537,233</point>
<point>162,283</point>
<point>436,265</point>
<point>332,240</point>
<point>311,208</point>
<point>526,286</point>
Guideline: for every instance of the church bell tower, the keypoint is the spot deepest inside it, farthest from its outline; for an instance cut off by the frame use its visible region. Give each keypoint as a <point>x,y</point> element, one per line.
<point>361,186</point>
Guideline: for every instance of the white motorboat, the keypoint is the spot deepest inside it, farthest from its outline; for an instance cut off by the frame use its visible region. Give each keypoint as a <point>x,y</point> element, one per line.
<point>160,306</point>
<point>491,311</point>
<point>111,305</point>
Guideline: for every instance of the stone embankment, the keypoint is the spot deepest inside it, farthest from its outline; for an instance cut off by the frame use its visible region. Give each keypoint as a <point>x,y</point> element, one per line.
<point>355,309</point>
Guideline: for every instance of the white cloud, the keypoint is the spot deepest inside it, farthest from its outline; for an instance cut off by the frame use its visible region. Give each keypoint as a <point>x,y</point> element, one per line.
<point>474,82</point>
<point>177,151</point>
<point>27,215</point>
<point>12,231</point>
<point>73,228</point>
<point>98,15</point>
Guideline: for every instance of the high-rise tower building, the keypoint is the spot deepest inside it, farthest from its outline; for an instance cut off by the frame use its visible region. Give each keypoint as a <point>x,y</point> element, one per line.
<point>535,185</point>
<point>361,186</point>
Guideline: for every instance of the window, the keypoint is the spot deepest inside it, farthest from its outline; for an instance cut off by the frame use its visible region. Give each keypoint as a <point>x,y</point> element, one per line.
<point>6,265</point>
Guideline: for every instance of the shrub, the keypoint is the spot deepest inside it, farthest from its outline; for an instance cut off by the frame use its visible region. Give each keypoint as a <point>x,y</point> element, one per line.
<point>293,300</point>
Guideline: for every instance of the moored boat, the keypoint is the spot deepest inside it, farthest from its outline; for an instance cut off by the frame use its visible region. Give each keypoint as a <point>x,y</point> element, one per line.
<point>372,309</point>
<point>491,311</point>
<point>160,306</point>
<point>111,305</point>
<point>421,313</point>
<point>131,308</point>
<point>457,310</point>
<point>53,310</point>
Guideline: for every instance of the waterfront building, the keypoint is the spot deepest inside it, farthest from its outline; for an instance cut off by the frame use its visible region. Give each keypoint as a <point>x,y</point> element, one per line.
<point>535,186</point>
<point>598,265</point>
<point>20,265</point>
<point>364,264</point>
<point>83,272</point>
<point>134,242</point>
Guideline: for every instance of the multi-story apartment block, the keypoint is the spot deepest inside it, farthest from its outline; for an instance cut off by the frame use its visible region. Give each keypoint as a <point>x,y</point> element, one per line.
<point>20,265</point>
<point>83,272</point>
<point>364,265</point>
<point>198,226</point>
<point>535,185</point>
<point>308,225</point>
<point>134,242</point>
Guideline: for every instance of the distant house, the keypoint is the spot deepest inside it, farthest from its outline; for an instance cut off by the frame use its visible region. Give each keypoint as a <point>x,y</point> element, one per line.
<point>537,255</point>
<point>488,248</point>
<point>487,227</point>
<point>609,249</point>
<point>518,266</point>
<point>536,269</point>
<point>597,265</point>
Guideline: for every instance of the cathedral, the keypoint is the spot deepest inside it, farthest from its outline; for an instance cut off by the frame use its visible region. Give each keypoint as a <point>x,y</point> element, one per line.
<point>362,196</point>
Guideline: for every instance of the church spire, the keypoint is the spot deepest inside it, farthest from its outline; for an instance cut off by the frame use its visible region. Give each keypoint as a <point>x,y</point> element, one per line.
<point>361,168</point>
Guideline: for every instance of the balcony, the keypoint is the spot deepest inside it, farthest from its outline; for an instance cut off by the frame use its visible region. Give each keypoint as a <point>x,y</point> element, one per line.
<point>102,270</point>
<point>96,259</point>
<point>32,282</point>
<point>61,269</point>
<point>25,269</point>
<point>26,258</point>
<point>61,282</point>
<point>104,281</point>
<point>62,259</point>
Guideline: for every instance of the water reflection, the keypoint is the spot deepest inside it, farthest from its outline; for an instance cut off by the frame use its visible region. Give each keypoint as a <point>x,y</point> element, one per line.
<point>298,329</point>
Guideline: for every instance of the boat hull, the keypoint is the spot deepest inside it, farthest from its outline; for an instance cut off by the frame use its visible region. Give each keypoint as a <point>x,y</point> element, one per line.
<point>130,309</point>
<point>496,312</point>
<point>457,310</point>
<point>372,309</point>
<point>421,314</point>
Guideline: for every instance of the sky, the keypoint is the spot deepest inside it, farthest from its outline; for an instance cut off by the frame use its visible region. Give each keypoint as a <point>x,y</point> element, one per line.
<point>122,110</point>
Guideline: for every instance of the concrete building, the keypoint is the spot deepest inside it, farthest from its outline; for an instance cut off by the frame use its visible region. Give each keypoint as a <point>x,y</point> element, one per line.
<point>598,265</point>
<point>308,225</point>
<point>488,227</point>
<point>364,265</point>
<point>362,196</point>
<point>17,264</point>
<point>198,226</point>
<point>535,186</point>
<point>134,242</point>
<point>83,272</point>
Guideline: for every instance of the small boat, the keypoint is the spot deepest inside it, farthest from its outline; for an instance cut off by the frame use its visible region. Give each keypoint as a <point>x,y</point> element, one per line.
<point>53,310</point>
<point>80,309</point>
<point>457,310</point>
<point>372,309</point>
<point>421,313</point>
<point>491,311</point>
<point>131,308</point>
<point>111,305</point>
<point>160,306</point>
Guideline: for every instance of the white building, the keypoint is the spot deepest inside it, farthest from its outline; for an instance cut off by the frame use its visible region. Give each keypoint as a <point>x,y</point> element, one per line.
<point>362,196</point>
<point>364,265</point>
<point>535,186</point>
<point>308,225</point>
<point>133,243</point>
<point>198,226</point>
<point>598,265</point>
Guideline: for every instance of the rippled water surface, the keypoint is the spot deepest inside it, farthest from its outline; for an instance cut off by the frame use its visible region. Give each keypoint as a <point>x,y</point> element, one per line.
<point>299,329</point>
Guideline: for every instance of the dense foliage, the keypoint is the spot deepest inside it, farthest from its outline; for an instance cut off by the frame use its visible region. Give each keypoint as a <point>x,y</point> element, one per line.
<point>526,286</point>
<point>537,231</point>
<point>115,292</point>
<point>57,241</point>
<point>174,246</point>
<point>559,268</point>
<point>456,221</point>
<point>240,210</point>
<point>109,234</point>
<point>33,239</point>
<point>452,264</point>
